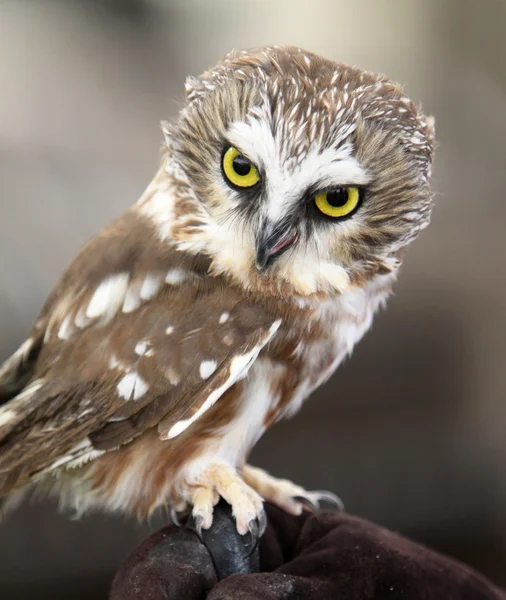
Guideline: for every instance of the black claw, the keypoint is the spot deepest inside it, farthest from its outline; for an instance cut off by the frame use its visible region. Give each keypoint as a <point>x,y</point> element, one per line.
<point>262,523</point>
<point>198,526</point>
<point>314,506</point>
<point>314,500</point>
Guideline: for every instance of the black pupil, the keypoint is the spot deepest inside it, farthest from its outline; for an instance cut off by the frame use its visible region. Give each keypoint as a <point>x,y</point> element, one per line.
<point>337,197</point>
<point>242,165</point>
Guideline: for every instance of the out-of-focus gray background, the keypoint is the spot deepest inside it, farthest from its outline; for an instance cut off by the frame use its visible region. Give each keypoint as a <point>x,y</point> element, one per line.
<point>411,431</point>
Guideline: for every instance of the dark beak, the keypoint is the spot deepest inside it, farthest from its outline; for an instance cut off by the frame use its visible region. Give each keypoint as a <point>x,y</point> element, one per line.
<point>272,241</point>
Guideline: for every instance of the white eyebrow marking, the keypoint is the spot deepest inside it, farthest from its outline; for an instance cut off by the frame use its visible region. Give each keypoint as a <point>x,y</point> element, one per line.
<point>132,386</point>
<point>286,180</point>
<point>207,368</point>
<point>108,296</point>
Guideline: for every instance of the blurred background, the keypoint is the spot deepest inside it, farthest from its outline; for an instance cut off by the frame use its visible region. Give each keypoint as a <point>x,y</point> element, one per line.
<point>410,432</point>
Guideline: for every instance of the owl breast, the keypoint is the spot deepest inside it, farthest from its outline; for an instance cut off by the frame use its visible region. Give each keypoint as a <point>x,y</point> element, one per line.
<point>318,340</point>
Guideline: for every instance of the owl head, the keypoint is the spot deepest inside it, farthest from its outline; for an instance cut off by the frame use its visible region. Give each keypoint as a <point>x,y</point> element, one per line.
<point>303,176</point>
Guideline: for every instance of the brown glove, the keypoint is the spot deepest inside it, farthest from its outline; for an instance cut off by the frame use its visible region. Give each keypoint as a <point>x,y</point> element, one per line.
<point>325,556</point>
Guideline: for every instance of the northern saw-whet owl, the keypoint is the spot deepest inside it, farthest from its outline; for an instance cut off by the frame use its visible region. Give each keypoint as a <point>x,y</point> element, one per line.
<point>288,190</point>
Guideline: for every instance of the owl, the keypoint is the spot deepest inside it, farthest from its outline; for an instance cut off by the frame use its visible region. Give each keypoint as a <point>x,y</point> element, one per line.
<point>288,189</point>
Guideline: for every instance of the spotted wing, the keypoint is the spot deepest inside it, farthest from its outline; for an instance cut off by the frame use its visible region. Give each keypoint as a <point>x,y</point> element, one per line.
<point>135,335</point>
<point>162,366</point>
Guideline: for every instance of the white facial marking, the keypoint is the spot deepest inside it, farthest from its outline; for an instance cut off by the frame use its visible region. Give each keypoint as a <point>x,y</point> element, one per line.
<point>6,416</point>
<point>108,296</point>
<point>239,367</point>
<point>207,368</point>
<point>151,285</point>
<point>175,276</point>
<point>169,330</point>
<point>224,317</point>
<point>132,386</point>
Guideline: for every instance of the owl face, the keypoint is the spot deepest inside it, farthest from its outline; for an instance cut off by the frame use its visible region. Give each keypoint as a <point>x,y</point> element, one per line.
<point>310,176</point>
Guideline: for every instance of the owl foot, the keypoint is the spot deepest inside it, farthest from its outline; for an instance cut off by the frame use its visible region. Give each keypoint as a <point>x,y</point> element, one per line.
<point>285,494</point>
<point>221,480</point>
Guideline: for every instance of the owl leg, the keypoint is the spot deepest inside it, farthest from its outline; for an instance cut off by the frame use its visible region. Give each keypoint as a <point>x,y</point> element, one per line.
<point>222,480</point>
<point>285,494</point>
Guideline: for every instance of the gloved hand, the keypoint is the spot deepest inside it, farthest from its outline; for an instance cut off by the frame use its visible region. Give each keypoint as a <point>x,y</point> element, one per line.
<point>324,556</point>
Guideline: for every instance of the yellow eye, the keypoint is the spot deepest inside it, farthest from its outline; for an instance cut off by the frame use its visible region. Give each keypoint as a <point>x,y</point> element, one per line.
<point>339,202</point>
<point>239,171</point>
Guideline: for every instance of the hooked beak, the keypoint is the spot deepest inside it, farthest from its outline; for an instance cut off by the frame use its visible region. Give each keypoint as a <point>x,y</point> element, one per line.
<point>271,242</point>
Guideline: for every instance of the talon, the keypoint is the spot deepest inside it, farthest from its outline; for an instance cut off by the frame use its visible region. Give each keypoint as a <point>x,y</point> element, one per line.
<point>174,517</point>
<point>311,504</point>
<point>198,526</point>
<point>256,528</point>
<point>262,523</point>
<point>328,497</point>
<point>253,530</point>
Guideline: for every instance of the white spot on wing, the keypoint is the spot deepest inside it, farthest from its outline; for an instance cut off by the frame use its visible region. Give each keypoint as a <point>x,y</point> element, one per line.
<point>117,419</point>
<point>132,299</point>
<point>81,320</point>
<point>132,386</point>
<point>224,317</point>
<point>169,330</point>
<point>114,363</point>
<point>18,357</point>
<point>65,330</point>
<point>6,416</point>
<point>175,276</point>
<point>273,328</point>
<point>207,368</point>
<point>108,296</point>
<point>29,391</point>
<point>151,285</point>
<point>172,376</point>
<point>140,348</point>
